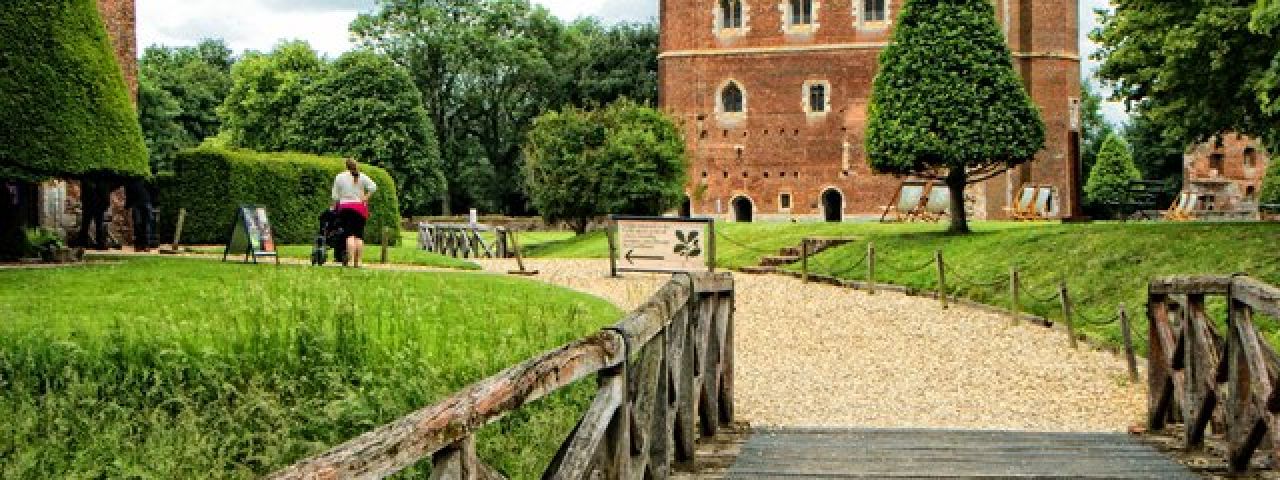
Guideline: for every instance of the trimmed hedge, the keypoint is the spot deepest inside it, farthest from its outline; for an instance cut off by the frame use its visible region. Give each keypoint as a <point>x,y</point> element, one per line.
<point>212,182</point>
<point>64,107</point>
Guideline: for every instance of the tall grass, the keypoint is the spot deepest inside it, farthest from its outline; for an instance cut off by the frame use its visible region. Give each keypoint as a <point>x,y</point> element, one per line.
<point>186,369</point>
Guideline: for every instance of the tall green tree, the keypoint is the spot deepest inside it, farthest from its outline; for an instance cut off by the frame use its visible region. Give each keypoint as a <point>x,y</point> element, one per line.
<point>266,91</point>
<point>180,90</point>
<point>1108,184</point>
<point>625,158</point>
<point>611,62</point>
<point>1198,68</point>
<point>947,102</point>
<point>1094,127</point>
<point>1156,153</point>
<point>367,107</point>
<point>1270,194</point>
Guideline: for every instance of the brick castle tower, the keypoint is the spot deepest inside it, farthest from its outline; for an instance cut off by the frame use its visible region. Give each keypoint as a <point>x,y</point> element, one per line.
<point>772,96</point>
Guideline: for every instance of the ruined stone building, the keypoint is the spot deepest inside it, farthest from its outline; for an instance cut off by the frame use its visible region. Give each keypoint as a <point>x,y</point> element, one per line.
<point>772,96</point>
<point>1225,174</point>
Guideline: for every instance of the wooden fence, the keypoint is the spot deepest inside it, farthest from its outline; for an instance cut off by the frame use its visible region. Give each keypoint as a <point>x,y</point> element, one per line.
<point>1194,369</point>
<point>665,383</point>
<point>463,240</point>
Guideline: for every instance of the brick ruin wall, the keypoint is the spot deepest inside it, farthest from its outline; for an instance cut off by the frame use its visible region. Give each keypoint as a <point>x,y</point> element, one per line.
<point>1226,173</point>
<point>777,148</point>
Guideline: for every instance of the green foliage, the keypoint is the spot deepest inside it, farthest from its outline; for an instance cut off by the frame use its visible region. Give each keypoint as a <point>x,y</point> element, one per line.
<point>624,159</point>
<point>195,369</point>
<point>40,242</point>
<point>1194,66</point>
<point>367,107</point>
<point>180,90</point>
<point>1094,127</point>
<point>266,91</point>
<point>613,62</point>
<point>1157,154</point>
<point>1109,179</point>
<point>1270,193</point>
<point>64,107</point>
<point>211,183</point>
<point>947,98</point>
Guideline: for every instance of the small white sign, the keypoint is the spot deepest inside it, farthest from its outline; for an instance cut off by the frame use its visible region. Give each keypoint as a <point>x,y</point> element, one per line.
<point>658,244</point>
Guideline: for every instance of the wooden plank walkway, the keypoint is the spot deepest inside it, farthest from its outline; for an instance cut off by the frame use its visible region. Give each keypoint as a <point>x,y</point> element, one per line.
<point>863,453</point>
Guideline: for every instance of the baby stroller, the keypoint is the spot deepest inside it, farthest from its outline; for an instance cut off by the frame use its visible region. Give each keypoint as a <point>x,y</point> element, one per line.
<point>331,234</point>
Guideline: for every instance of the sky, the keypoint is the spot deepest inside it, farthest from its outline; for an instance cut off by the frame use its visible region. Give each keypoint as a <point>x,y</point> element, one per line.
<point>260,24</point>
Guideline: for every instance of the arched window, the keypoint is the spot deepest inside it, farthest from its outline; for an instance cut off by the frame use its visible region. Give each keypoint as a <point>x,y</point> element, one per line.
<point>730,13</point>
<point>801,12</point>
<point>731,98</point>
<point>874,10</point>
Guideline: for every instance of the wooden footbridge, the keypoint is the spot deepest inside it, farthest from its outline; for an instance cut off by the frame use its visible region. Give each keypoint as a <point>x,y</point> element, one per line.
<point>664,406</point>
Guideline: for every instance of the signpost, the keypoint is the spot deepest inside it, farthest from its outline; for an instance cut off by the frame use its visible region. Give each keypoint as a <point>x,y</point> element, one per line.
<point>251,234</point>
<point>662,244</point>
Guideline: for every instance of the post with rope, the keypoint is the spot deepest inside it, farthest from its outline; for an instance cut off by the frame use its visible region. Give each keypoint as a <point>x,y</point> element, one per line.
<point>1015,307</point>
<point>1066,313</point>
<point>804,260</point>
<point>1128,345</point>
<point>942,278</point>
<point>871,268</point>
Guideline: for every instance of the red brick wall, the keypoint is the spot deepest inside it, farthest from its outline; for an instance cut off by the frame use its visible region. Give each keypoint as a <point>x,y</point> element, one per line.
<point>121,18</point>
<point>805,154</point>
<point>1231,185</point>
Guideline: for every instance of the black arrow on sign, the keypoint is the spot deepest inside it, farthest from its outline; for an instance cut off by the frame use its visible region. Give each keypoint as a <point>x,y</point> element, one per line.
<point>632,257</point>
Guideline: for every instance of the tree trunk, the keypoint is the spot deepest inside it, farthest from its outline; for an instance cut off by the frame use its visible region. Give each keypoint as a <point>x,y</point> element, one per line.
<point>956,181</point>
<point>580,225</point>
<point>446,205</point>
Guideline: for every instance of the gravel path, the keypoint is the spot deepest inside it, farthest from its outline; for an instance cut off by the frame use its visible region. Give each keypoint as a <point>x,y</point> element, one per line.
<point>817,355</point>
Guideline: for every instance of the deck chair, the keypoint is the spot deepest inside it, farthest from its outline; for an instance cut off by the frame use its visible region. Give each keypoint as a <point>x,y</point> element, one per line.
<point>1043,206</point>
<point>909,203</point>
<point>938,203</point>
<point>1024,203</point>
<point>1189,210</point>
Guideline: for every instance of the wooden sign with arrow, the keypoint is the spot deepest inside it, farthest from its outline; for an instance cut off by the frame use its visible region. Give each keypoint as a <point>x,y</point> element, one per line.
<point>662,244</point>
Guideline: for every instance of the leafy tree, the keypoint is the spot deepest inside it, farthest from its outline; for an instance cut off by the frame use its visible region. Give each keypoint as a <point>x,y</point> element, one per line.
<point>179,94</point>
<point>266,91</point>
<point>613,62</point>
<point>368,108</point>
<point>1157,155</point>
<point>1270,194</point>
<point>1198,68</point>
<point>1093,125</point>
<point>947,102</point>
<point>1109,180</point>
<point>625,158</point>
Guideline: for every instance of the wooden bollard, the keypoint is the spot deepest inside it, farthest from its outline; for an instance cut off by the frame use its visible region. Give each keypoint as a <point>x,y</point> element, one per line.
<point>942,278</point>
<point>386,238</point>
<point>177,233</point>
<point>871,268</point>
<point>613,252</point>
<point>1015,305</point>
<point>1066,314</point>
<point>804,260</point>
<point>1128,345</point>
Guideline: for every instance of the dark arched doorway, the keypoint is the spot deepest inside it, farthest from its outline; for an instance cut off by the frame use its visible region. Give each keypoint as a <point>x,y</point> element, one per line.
<point>833,205</point>
<point>742,209</point>
<point>686,207</point>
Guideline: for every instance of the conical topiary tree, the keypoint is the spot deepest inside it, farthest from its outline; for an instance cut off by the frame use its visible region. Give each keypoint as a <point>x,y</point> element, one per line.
<point>64,107</point>
<point>947,102</point>
<point>1109,180</point>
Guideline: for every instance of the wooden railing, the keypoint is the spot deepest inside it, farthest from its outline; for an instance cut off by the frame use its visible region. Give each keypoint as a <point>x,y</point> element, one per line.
<point>463,240</point>
<point>1194,370</point>
<point>665,382</point>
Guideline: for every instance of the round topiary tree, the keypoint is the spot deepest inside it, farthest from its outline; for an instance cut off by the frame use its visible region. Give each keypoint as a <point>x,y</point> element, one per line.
<point>1109,180</point>
<point>64,107</point>
<point>947,103</point>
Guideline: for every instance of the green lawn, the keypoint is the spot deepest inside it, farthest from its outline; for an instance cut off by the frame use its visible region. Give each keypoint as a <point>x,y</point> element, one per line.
<point>169,368</point>
<point>406,253</point>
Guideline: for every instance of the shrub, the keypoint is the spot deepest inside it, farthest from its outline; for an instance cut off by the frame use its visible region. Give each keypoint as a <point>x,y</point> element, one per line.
<point>64,108</point>
<point>1109,180</point>
<point>1270,194</point>
<point>211,183</point>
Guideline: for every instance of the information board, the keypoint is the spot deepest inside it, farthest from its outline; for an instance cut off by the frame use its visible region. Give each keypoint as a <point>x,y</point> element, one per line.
<point>251,235</point>
<point>662,244</point>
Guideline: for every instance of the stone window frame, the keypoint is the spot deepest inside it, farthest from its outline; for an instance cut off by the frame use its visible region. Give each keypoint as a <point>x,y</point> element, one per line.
<point>724,116</point>
<point>785,201</point>
<point>806,97</point>
<point>790,28</point>
<point>717,21</point>
<point>859,16</point>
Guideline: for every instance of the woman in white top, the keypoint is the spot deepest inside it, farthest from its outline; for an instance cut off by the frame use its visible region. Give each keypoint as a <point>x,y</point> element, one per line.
<point>351,192</point>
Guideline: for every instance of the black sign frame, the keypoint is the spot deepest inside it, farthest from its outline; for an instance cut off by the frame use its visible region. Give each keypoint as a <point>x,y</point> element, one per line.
<point>615,250</point>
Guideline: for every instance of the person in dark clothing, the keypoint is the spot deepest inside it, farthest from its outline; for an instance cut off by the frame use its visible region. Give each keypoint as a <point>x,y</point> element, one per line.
<point>95,199</point>
<point>138,200</point>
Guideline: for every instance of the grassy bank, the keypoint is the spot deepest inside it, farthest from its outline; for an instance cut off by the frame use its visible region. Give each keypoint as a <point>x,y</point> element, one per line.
<point>165,368</point>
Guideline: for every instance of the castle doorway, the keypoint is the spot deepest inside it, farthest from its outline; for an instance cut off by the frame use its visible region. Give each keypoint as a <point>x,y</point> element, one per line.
<point>833,205</point>
<point>742,209</point>
<point>686,207</point>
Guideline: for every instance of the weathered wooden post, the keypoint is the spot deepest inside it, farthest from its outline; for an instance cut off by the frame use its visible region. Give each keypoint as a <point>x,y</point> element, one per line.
<point>1128,344</point>
<point>386,237</point>
<point>177,233</point>
<point>804,260</point>
<point>1066,313</point>
<point>1015,306</point>
<point>613,251</point>
<point>942,278</point>
<point>871,268</point>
